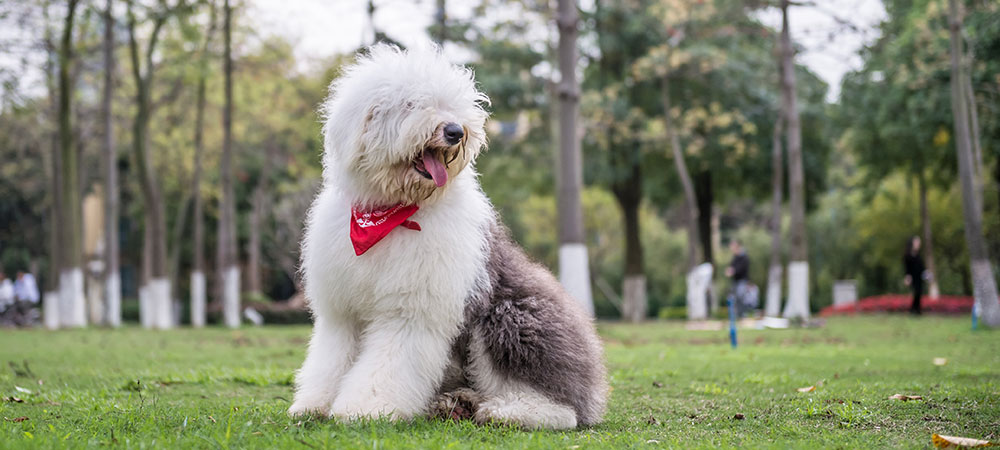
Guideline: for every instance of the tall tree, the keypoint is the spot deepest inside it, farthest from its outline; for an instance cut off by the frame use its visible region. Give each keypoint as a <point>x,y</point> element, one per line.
<point>772,306</point>
<point>798,268</point>
<point>690,201</point>
<point>198,300</point>
<point>71,296</point>
<point>143,69</point>
<point>226,266</point>
<point>52,303</point>
<point>112,275</point>
<point>574,269</point>
<point>983,284</point>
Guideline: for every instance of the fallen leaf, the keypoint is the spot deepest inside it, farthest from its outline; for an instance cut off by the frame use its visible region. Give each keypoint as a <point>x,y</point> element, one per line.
<point>18,419</point>
<point>21,389</point>
<point>905,397</point>
<point>652,421</point>
<point>957,442</point>
<point>212,419</point>
<point>807,389</point>
<point>657,384</point>
<point>13,400</point>
<point>739,416</point>
<point>940,361</point>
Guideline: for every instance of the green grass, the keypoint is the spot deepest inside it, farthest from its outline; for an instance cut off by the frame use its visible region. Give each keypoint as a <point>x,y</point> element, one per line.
<point>218,388</point>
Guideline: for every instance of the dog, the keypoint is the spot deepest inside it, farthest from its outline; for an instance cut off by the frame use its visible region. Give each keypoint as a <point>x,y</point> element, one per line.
<point>422,302</point>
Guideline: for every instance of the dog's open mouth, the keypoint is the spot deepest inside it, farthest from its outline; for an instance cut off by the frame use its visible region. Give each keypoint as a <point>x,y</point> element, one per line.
<point>429,165</point>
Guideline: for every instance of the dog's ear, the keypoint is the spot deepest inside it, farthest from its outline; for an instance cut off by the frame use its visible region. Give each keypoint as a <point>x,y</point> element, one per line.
<point>371,115</point>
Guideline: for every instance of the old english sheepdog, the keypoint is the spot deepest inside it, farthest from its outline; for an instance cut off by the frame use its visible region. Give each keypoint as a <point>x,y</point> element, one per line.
<point>423,304</point>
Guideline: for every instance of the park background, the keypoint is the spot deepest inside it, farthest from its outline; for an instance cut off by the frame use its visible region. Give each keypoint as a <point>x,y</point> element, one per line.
<point>187,132</point>
<point>877,153</point>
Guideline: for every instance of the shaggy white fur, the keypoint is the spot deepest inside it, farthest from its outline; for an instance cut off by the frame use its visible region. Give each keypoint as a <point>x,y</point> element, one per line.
<point>385,321</point>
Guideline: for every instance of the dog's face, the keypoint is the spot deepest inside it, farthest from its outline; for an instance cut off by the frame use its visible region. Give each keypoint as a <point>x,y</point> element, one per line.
<point>401,125</point>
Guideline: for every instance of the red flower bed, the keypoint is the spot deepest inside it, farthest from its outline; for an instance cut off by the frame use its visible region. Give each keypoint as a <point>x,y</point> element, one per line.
<point>901,303</point>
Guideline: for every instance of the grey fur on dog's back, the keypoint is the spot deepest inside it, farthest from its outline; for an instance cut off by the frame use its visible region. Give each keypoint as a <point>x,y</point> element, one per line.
<point>534,332</point>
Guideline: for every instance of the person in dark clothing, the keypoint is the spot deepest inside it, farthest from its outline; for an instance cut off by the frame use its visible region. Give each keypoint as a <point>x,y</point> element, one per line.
<point>744,292</point>
<point>913,265</point>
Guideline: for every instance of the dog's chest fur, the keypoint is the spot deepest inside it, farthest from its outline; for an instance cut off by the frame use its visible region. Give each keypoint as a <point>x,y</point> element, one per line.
<point>425,274</point>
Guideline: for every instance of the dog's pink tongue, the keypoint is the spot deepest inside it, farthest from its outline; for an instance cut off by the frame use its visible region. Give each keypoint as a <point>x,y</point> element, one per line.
<point>435,168</point>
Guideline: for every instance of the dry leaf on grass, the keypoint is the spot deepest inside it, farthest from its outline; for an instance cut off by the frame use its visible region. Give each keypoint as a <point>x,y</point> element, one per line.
<point>807,389</point>
<point>958,442</point>
<point>940,361</point>
<point>18,419</point>
<point>905,397</point>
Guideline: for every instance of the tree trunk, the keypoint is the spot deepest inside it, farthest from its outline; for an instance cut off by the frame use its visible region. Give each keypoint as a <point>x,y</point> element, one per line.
<point>253,244</point>
<point>198,293</point>
<point>925,224</point>
<point>198,300</point>
<point>772,307</point>
<point>227,269</point>
<point>690,201</point>
<point>442,20</point>
<point>51,315</point>
<point>704,197</point>
<point>977,151</point>
<point>983,285</point>
<point>72,299</point>
<point>628,192</point>
<point>158,288</point>
<point>112,276</point>
<point>574,270</point>
<point>798,272</point>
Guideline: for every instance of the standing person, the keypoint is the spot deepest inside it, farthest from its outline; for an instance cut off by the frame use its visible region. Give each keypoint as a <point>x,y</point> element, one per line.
<point>6,293</point>
<point>26,288</point>
<point>744,293</point>
<point>916,273</point>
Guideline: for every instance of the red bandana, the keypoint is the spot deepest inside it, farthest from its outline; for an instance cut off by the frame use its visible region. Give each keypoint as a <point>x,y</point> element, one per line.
<point>370,226</point>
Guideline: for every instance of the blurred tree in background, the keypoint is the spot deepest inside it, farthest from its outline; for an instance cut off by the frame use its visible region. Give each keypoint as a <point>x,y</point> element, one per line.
<point>879,163</point>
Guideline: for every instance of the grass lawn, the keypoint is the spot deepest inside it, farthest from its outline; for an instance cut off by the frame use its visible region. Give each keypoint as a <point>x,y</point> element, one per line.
<point>671,388</point>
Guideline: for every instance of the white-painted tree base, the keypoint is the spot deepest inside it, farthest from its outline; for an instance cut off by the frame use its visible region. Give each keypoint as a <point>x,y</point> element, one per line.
<point>72,301</point>
<point>634,303</point>
<point>574,274</point>
<point>698,281</point>
<point>231,297</point>
<point>145,308</point>
<point>197,299</point>
<point>984,289</point>
<point>772,306</point>
<point>160,303</point>
<point>50,310</point>
<point>95,302</point>
<point>113,294</point>
<point>798,291</point>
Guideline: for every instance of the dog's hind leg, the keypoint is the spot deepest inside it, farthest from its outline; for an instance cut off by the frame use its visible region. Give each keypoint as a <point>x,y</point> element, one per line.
<point>332,348</point>
<point>525,407</point>
<point>509,401</point>
<point>400,367</point>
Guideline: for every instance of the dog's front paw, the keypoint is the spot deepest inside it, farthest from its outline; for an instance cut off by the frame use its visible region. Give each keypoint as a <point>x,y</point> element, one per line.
<point>302,407</point>
<point>352,407</point>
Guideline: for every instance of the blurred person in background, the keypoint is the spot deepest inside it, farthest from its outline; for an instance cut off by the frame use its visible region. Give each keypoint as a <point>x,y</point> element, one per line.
<point>6,293</point>
<point>916,272</point>
<point>744,293</point>
<point>26,299</point>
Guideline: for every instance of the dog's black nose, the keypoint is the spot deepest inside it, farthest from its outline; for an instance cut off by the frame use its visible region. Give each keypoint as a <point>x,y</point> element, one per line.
<point>453,133</point>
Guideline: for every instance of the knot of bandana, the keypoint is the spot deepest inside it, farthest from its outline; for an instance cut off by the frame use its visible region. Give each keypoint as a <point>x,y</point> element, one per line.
<point>369,226</point>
